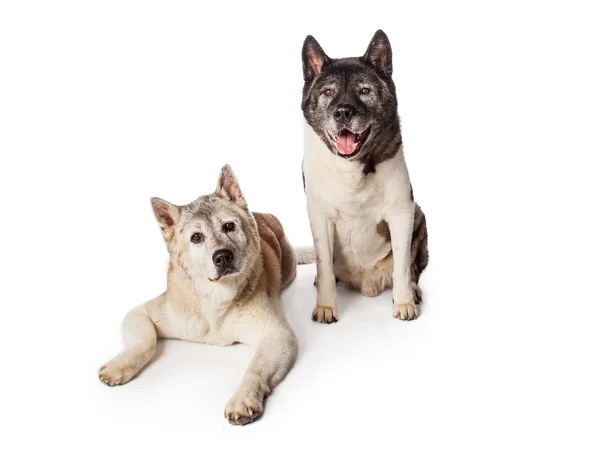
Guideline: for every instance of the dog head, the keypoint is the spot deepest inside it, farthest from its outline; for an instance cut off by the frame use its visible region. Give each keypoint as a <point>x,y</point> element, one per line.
<point>351,102</point>
<point>214,237</point>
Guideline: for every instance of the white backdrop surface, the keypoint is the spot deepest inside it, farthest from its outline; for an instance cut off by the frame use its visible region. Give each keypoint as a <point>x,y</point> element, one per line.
<point>105,104</point>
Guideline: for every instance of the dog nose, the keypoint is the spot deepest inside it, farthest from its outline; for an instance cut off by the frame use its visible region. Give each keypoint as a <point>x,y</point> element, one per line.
<point>344,112</point>
<point>222,258</point>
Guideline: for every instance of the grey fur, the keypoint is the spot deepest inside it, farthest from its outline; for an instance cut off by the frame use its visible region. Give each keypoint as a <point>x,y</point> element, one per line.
<point>375,111</point>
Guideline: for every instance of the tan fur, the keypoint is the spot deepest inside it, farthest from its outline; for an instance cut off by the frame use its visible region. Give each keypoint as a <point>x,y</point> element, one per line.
<point>373,281</point>
<point>202,306</point>
<point>272,234</point>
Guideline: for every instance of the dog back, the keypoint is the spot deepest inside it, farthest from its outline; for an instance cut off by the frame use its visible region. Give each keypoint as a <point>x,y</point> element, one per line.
<point>278,256</point>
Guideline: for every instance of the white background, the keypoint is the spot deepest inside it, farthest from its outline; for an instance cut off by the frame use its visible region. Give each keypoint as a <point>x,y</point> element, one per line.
<point>105,104</point>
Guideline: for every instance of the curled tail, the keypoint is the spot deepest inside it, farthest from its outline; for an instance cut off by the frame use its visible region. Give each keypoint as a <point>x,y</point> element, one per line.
<point>305,256</point>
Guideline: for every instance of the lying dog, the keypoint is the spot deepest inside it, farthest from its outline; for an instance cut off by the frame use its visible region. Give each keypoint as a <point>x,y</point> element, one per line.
<point>360,200</point>
<point>226,272</point>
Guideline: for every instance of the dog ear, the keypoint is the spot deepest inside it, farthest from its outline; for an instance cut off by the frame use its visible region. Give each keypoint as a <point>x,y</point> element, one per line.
<point>379,54</point>
<point>229,188</point>
<point>167,215</point>
<point>313,58</point>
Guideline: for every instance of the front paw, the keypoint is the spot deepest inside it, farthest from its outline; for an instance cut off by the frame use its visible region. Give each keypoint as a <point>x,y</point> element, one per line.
<point>405,311</point>
<point>118,371</point>
<point>243,408</point>
<point>325,314</point>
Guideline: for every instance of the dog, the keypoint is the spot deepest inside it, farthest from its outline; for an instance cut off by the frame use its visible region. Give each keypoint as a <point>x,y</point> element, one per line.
<point>367,230</point>
<point>227,268</point>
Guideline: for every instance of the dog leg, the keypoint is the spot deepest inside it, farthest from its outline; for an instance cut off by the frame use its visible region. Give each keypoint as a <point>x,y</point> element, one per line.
<point>139,336</point>
<point>418,294</point>
<point>401,226</point>
<point>323,231</point>
<point>274,357</point>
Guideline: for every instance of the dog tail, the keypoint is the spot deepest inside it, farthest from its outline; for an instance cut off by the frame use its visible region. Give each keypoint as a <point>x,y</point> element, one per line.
<point>306,256</point>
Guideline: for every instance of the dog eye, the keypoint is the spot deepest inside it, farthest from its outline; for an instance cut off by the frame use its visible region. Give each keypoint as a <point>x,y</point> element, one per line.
<point>328,92</point>
<point>365,91</point>
<point>228,226</point>
<point>197,238</point>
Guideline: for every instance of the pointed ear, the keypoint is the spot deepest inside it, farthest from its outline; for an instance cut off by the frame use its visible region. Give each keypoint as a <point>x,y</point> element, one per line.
<point>313,58</point>
<point>379,54</point>
<point>167,215</point>
<point>229,188</point>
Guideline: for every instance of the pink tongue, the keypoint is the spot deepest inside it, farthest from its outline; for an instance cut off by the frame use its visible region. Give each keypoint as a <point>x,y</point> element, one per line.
<point>345,143</point>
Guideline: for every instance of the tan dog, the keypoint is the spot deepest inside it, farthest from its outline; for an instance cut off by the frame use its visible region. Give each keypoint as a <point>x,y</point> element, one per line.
<point>226,272</point>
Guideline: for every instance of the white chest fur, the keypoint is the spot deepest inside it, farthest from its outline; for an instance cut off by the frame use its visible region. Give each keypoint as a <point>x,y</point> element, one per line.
<point>355,202</point>
<point>204,319</point>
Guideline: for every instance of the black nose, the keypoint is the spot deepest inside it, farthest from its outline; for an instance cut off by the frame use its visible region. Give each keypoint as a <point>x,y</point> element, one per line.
<point>344,112</point>
<point>223,258</point>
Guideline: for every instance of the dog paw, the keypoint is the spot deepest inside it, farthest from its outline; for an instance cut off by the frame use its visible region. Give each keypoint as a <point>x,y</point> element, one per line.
<point>243,408</point>
<point>407,311</point>
<point>324,314</point>
<point>116,372</point>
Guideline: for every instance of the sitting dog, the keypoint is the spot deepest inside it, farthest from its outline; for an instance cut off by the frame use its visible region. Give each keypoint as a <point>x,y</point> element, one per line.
<point>367,230</point>
<point>227,269</point>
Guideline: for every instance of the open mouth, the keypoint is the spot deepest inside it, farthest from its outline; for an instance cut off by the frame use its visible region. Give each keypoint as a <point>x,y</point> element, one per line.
<point>348,143</point>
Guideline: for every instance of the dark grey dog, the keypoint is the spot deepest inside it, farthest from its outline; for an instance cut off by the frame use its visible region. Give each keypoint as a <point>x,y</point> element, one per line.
<point>367,230</point>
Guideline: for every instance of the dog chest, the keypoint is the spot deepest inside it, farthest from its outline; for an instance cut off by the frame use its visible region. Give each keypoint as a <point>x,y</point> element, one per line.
<point>197,324</point>
<point>346,193</point>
